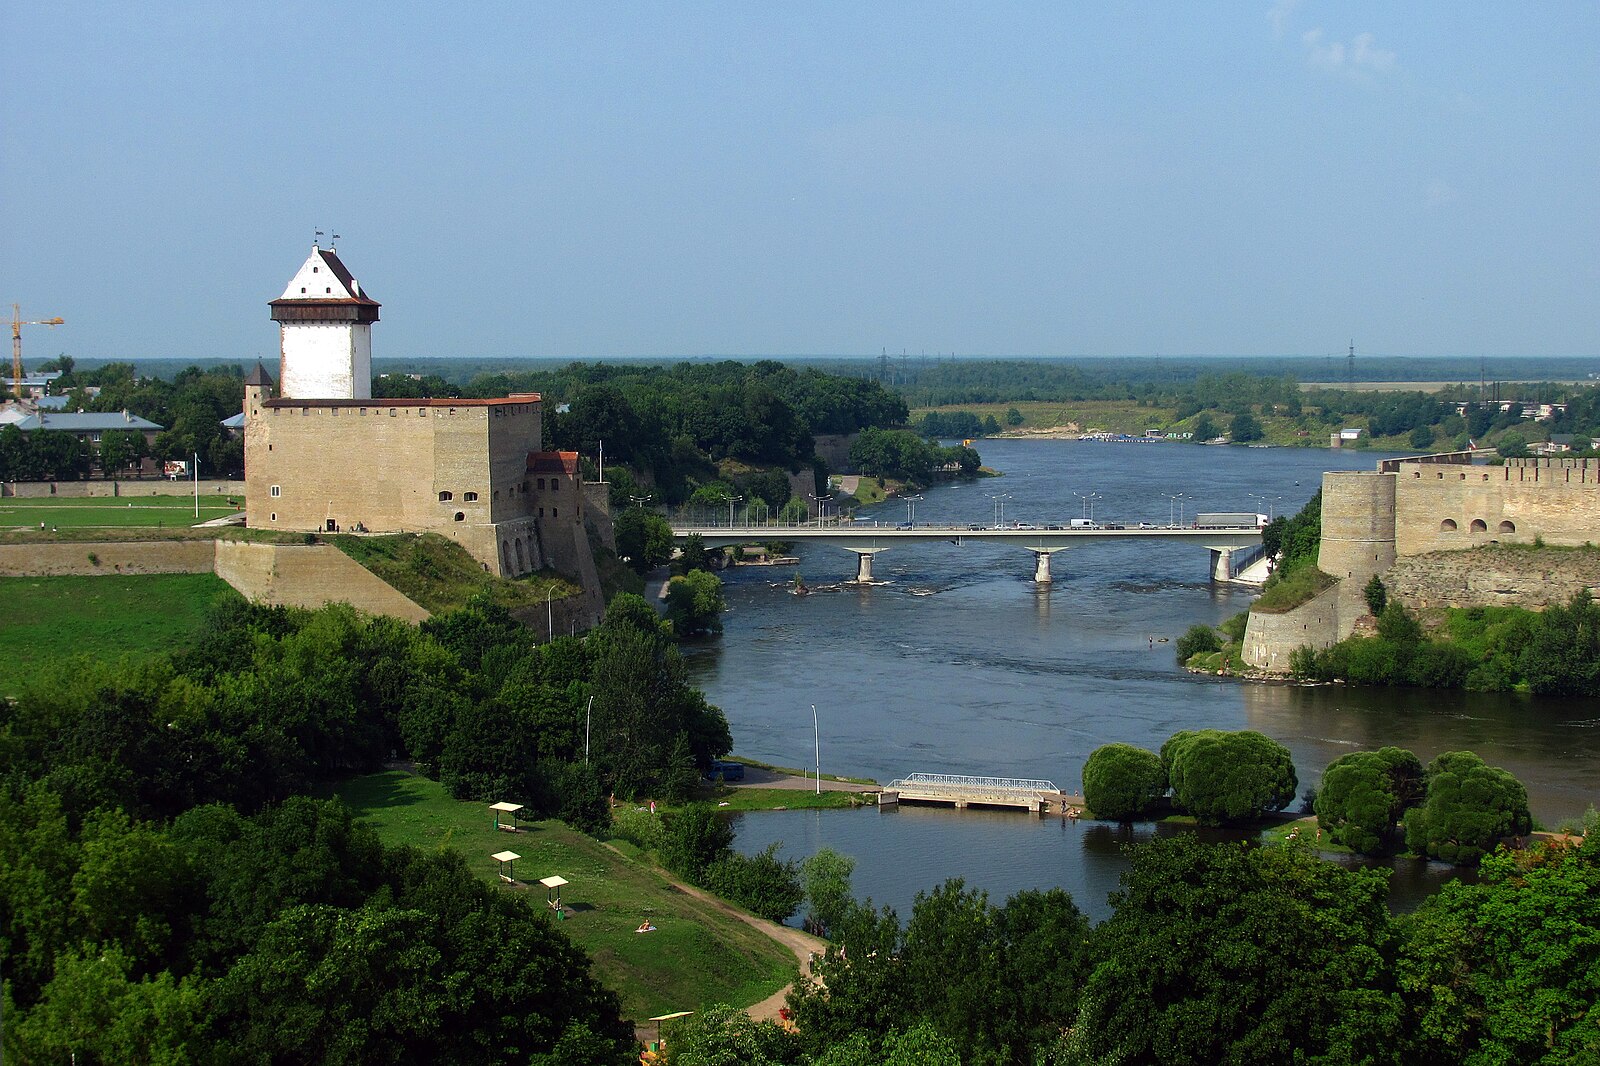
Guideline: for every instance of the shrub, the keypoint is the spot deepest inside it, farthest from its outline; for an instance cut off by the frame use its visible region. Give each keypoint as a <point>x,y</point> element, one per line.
<point>1376,595</point>
<point>1122,782</point>
<point>695,838</point>
<point>1200,639</point>
<point>761,883</point>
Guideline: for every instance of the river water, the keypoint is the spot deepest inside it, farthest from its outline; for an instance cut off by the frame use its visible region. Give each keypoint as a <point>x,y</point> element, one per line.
<point>960,664</point>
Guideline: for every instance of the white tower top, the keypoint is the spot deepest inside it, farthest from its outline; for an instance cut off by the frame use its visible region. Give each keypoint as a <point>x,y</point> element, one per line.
<point>326,321</point>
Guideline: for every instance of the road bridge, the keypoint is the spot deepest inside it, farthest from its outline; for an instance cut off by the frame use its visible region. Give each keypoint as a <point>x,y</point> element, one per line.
<point>1229,545</point>
<point>1040,797</point>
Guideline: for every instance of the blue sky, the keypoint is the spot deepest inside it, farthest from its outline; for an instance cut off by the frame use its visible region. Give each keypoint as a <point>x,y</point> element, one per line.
<point>593,180</point>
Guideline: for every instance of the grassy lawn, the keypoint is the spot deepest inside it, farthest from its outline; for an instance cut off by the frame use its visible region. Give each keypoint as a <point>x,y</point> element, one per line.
<point>438,574</point>
<point>696,957</point>
<point>99,617</point>
<point>144,512</point>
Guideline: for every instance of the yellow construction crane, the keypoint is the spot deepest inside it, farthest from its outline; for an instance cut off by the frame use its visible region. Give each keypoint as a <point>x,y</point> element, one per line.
<point>16,343</point>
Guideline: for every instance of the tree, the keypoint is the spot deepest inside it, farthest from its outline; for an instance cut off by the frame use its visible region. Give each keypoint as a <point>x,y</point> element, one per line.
<point>644,539</point>
<point>1244,427</point>
<point>1422,437</point>
<point>693,556</point>
<point>695,603</point>
<point>1229,953</point>
<point>1204,429</point>
<point>721,1035</point>
<point>1228,777</point>
<point>1508,969</point>
<point>762,883</point>
<point>120,448</point>
<point>1013,417</point>
<point>1512,445</point>
<point>1365,794</point>
<point>1376,595</point>
<point>1122,782</point>
<point>1470,807</point>
<point>826,878</point>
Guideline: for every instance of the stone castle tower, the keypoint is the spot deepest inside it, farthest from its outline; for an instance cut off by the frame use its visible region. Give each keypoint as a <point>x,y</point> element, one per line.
<point>326,327</point>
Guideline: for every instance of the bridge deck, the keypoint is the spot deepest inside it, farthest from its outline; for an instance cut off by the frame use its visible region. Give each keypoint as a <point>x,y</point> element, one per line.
<point>860,536</point>
<point>962,791</point>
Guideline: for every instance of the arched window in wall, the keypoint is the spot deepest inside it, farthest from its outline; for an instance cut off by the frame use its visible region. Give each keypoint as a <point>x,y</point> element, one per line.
<point>1508,526</point>
<point>1447,526</point>
<point>1479,526</point>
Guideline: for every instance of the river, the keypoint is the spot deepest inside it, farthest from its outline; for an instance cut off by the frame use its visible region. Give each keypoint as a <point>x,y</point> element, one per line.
<point>960,664</point>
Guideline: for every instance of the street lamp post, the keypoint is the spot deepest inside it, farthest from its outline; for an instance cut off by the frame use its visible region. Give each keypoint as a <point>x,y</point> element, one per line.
<point>1173,515</point>
<point>999,499</point>
<point>911,509</point>
<point>549,616</point>
<point>1088,499</point>
<point>816,739</point>
<point>820,502</point>
<point>731,501</point>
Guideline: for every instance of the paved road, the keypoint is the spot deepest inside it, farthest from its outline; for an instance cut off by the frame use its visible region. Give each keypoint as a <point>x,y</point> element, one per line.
<point>755,777</point>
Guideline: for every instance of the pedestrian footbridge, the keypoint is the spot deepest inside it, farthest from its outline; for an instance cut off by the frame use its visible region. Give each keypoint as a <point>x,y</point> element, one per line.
<point>1040,797</point>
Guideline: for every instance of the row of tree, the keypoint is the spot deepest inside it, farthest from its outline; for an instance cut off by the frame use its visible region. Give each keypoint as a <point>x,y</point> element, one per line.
<point>905,456</point>
<point>1214,953</point>
<point>55,455</point>
<point>1218,777</point>
<point>191,405</point>
<point>1456,809</point>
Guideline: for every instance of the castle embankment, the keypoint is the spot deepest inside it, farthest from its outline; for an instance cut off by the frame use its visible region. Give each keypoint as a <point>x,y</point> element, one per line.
<point>1413,523</point>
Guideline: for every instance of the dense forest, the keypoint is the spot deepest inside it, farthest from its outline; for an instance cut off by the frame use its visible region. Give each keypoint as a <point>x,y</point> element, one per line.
<point>673,424</point>
<point>1214,953</point>
<point>169,894</point>
<point>190,405</point>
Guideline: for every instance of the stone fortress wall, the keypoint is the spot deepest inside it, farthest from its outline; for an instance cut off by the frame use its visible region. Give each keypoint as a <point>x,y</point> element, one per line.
<point>1393,522</point>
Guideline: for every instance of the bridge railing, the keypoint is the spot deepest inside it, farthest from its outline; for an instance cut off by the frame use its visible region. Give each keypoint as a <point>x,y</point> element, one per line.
<point>959,781</point>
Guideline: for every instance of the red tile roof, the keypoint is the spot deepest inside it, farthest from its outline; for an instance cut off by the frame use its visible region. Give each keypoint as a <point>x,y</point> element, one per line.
<point>553,463</point>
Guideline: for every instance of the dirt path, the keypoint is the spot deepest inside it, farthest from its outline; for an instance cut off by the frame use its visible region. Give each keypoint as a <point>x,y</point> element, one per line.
<point>756,777</point>
<point>802,944</point>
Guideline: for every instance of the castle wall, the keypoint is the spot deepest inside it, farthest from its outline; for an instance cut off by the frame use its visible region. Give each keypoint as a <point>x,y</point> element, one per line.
<point>348,463</point>
<point>1269,639</point>
<point>58,558</point>
<point>77,490</point>
<point>1455,507</point>
<point>457,469</point>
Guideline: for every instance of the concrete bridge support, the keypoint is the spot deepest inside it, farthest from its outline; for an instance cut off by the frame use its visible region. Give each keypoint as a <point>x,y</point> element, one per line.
<point>864,563</point>
<point>1221,564</point>
<point>1041,566</point>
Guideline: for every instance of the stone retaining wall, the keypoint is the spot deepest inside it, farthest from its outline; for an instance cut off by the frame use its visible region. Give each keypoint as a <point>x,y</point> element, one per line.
<point>78,490</point>
<point>60,558</point>
<point>1269,639</point>
<point>309,575</point>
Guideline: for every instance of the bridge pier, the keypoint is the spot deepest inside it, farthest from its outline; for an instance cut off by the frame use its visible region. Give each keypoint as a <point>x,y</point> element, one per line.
<point>1041,564</point>
<point>1221,564</point>
<point>864,563</point>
